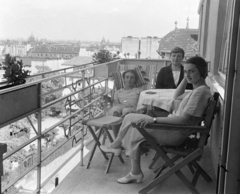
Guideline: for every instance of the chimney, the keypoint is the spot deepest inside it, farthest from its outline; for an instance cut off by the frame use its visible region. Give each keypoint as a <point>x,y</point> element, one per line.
<point>187,27</point>
<point>175,25</point>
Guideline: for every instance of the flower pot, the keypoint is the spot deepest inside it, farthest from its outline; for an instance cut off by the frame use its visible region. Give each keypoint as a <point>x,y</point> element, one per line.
<point>5,86</point>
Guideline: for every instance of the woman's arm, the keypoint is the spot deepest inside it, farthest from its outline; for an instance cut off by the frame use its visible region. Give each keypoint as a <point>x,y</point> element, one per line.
<point>175,120</point>
<point>180,90</point>
<point>116,98</point>
<point>115,102</point>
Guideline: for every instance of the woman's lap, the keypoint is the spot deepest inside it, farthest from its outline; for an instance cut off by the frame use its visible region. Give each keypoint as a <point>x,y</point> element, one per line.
<point>131,137</point>
<point>116,108</point>
<point>121,110</point>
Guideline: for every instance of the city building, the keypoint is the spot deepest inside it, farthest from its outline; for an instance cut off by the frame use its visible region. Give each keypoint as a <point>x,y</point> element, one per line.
<point>148,47</point>
<point>54,51</point>
<point>144,47</point>
<point>130,46</point>
<point>16,49</point>
<point>32,40</point>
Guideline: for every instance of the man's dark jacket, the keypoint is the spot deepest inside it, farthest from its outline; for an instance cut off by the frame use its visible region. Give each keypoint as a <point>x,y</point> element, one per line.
<point>165,79</point>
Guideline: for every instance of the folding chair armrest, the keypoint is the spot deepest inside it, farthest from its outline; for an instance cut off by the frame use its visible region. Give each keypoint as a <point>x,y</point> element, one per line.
<point>192,129</point>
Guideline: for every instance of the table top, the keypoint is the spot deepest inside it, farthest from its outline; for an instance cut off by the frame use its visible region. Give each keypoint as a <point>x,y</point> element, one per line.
<point>161,98</point>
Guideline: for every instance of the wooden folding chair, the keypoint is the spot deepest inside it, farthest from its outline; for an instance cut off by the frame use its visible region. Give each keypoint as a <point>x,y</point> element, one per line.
<point>189,152</point>
<point>104,123</point>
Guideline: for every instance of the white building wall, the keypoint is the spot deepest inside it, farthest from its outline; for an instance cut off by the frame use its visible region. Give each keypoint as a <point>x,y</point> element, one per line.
<point>148,47</point>
<point>16,50</point>
<point>130,45</point>
<point>155,45</point>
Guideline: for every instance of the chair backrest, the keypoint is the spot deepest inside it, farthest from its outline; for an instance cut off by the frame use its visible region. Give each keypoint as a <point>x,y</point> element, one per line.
<point>208,118</point>
<point>119,83</point>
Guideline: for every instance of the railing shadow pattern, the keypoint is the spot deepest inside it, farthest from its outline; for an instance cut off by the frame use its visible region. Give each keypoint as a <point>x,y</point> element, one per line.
<point>40,136</point>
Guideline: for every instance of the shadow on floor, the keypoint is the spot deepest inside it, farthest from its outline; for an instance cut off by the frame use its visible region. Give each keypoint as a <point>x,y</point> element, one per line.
<point>94,181</point>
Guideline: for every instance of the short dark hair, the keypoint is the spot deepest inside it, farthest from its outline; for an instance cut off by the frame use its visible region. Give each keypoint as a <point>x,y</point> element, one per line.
<point>200,64</point>
<point>133,72</point>
<point>178,50</point>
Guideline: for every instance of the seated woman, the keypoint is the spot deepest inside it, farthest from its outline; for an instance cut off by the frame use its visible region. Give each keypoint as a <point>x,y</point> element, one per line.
<point>125,99</point>
<point>190,112</point>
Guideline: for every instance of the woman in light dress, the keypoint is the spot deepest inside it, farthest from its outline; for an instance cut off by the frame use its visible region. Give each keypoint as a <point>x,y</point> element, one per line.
<point>125,99</point>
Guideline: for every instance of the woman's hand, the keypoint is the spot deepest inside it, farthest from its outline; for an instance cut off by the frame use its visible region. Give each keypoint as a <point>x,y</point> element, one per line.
<point>144,121</point>
<point>127,104</point>
<point>142,110</point>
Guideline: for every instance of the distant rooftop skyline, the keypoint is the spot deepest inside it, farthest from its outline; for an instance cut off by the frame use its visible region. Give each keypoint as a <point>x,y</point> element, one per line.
<point>91,20</point>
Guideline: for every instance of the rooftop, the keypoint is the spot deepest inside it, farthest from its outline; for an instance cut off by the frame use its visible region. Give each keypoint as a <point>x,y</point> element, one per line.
<point>55,49</point>
<point>184,38</point>
<point>79,60</point>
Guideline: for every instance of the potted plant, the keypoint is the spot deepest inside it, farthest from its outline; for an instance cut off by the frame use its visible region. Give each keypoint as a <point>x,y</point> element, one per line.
<point>14,72</point>
<point>103,56</point>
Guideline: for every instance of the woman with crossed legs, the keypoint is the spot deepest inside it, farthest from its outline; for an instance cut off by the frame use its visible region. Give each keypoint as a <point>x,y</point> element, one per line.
<point>190,112</point>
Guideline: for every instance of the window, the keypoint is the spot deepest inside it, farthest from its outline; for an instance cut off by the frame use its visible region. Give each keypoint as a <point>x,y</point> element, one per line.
<point>224,55</point>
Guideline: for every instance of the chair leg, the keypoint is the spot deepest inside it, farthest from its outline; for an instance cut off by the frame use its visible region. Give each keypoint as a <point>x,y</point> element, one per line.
<point>106,133</point>
<point>91,155</point>
<point>161,168</point>
<point>175,168</point>
<point>191,168</point>
<point>155,159</point>
<point>165,176</point>
<point>202,172</point>
<point>96,138</point>
<point>111,140</point>
<point>109,163</point>
<point>104,138</point>
<point>195,177</point>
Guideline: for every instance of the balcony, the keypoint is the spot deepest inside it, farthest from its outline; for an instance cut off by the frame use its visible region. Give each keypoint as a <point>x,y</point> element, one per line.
<point>47,146</point>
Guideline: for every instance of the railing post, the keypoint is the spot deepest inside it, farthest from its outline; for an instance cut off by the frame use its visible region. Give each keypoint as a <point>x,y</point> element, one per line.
<point>3,149</point>
<point>39,141</point>
<point>82,114</point>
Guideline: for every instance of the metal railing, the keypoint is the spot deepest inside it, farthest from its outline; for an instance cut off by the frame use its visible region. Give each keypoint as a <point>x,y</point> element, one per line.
<point>27,155</point>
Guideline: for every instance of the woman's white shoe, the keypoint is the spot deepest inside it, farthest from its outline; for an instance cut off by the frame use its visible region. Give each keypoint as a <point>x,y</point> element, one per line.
<point>116,152</point>
<point>131,178</point>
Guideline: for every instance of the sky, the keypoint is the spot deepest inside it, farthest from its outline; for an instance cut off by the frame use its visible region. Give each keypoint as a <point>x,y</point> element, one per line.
<point>91,20</point>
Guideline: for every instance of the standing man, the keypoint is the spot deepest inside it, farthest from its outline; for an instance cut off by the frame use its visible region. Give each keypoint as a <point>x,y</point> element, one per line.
<point>171,76</point>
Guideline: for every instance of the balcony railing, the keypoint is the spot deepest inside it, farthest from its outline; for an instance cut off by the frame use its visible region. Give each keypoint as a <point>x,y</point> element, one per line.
<point>40,122</point>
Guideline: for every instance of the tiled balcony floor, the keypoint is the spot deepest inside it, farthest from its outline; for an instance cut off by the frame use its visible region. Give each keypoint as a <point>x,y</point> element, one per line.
<point>94,180</point>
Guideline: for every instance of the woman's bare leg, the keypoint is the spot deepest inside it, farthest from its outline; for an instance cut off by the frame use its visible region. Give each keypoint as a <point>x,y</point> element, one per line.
<point>115,128</point>
<point>117,143</point>
<point>136,164</point>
